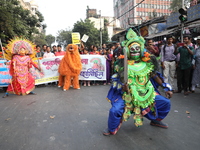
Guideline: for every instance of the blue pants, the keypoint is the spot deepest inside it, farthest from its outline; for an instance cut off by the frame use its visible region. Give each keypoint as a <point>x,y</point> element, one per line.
<point>115,114</point>
<point>162,108</point>
<point>117,110</point>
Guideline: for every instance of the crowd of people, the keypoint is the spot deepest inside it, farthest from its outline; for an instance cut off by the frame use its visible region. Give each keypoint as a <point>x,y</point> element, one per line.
<point>132,95</point>
<point>176,60</point>
<point>110,52</point>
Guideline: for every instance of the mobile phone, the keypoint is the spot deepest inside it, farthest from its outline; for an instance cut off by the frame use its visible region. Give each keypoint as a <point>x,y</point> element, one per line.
<point>181,44</point>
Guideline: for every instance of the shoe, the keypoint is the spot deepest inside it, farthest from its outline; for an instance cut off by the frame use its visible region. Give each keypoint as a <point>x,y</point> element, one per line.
<point>6,95</point>
<point>177,91</point>
<point>88,84</point>
<point>104,84</point>
<point>158,124</point>
<point>84,84</point>
<point>32,93</point>
<point>192,91</point>
<point>106,132</point>
<point>186,93</point>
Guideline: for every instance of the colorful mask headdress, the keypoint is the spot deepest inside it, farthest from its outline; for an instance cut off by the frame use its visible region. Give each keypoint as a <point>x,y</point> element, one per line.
<point>131,37</point>
<point>16,44</point>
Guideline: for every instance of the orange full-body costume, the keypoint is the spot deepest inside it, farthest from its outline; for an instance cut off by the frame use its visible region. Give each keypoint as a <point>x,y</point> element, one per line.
<point>70,68</point>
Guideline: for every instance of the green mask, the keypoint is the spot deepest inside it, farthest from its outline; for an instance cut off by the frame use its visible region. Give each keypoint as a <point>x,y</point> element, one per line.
<point>134,51</point>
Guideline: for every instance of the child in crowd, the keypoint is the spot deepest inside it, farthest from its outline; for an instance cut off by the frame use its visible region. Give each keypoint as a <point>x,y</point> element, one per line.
<point>85,52</point>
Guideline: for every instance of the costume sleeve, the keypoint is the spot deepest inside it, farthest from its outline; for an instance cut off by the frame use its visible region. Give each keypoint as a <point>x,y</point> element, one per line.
<point>34,64</point>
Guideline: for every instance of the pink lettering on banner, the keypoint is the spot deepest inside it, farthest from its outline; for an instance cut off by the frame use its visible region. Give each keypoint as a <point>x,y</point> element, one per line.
<point>49,64</point>
<point>84,61</point>
<point>5,80</point>
<point>1,65</point>
<point>4,73</point>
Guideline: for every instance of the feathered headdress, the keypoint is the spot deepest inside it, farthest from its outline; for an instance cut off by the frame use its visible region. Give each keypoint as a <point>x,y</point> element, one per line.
<point>15,45</point>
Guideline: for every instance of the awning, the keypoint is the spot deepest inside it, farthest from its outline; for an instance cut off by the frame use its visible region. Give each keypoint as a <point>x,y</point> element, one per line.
<point>193,24</point>
<point>166,32</point>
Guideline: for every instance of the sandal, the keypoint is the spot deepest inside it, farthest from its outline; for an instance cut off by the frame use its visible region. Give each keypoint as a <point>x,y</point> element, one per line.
<point>6,95</point>
<point>106,132</point>
<point>32,93</point>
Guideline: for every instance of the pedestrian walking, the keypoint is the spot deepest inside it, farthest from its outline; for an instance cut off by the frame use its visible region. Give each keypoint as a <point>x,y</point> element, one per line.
<point>168,62</point>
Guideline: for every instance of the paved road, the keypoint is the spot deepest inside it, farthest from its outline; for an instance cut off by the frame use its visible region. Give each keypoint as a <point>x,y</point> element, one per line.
<point>74,120</point>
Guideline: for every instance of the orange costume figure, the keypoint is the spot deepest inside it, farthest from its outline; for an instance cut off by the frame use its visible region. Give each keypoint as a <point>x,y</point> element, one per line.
<point>70,68</point>
<point>22,82</point>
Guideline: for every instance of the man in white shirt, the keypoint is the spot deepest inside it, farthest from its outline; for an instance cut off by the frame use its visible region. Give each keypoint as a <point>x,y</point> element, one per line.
<point>48,53</point>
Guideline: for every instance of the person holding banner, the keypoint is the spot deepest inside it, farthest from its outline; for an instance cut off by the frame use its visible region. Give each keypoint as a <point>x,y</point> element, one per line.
<point>22,82</point>
<point>59,52</point>
<point>48,53</point>
<point>94,51</point>
<point>85,52</point>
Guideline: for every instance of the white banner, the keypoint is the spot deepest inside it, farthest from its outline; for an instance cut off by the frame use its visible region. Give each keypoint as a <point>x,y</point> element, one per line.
<point>49,70</point>
<point>93,68</point>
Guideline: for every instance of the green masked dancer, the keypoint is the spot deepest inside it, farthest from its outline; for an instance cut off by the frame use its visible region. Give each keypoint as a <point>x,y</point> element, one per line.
<point>134,90</point>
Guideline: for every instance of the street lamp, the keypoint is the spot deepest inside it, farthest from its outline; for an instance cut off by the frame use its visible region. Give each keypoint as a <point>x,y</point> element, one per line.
<point>100,30</point>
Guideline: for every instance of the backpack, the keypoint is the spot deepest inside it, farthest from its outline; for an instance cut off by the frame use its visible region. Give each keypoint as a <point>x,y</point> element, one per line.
<point>164,51</point>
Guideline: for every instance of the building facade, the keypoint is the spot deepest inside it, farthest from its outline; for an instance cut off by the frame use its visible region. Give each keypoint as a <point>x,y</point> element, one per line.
<point>128,14</point>
<point>113,25</point>
<point>30,5</point>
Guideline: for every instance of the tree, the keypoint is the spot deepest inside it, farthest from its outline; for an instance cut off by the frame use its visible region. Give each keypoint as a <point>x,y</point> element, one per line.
<point>175,5</point>
<point>16,21</point>
<point>64,37</point>
<point>105,32</point>
<point>39,39</point>
<point>87,27</point>
<point>50,39</point>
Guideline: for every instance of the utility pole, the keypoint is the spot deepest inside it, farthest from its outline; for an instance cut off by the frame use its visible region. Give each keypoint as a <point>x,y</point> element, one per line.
<point>182,24</point>
<point>100,31</point>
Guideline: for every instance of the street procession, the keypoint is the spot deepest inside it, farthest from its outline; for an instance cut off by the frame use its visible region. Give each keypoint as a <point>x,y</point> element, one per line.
<point>123,74</point>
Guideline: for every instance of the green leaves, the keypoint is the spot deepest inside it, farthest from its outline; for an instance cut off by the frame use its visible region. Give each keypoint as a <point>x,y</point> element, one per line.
<point>87,27</point>
<point>16,21</point>
<point>64,37</point>
<point>50,39</point>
